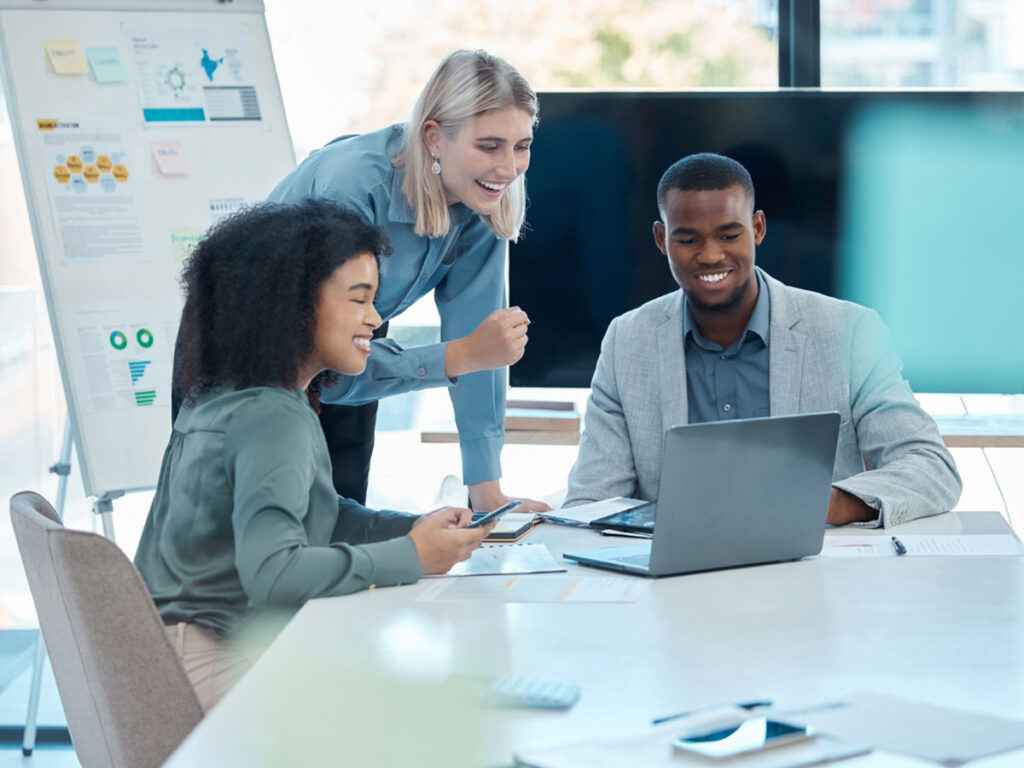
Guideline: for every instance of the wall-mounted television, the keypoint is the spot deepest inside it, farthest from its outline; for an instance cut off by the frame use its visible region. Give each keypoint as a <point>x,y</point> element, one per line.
<point>588,253</point>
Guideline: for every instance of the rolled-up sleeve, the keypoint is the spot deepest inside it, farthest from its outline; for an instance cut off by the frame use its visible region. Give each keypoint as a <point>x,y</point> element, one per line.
<point>392,370</point>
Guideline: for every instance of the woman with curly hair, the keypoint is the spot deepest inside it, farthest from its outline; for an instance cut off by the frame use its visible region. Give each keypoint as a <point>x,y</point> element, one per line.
<point>245,518</point>
<point>449,189</point>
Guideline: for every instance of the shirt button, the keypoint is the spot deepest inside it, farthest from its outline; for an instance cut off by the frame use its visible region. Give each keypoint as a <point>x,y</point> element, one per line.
<point>723,357</point>
<point>423,276</point>
<point>421,371</point>
<point>727,407</point>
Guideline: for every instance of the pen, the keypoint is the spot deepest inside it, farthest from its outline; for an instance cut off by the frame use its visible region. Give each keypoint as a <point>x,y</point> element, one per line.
<point>898,546</point>
<point>744,705</point>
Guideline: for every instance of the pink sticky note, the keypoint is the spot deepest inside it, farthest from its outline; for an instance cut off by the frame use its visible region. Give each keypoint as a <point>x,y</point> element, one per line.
<point>170,158</point>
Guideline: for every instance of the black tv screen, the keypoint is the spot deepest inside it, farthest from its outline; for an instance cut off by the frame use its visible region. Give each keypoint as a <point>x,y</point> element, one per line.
<point>588,253</point>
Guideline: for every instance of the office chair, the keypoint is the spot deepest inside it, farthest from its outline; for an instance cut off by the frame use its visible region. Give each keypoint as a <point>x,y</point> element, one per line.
<point>126,697</point>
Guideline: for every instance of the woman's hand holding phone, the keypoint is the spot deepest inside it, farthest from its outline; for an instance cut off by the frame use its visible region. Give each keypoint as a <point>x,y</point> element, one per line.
<point>444,537</point>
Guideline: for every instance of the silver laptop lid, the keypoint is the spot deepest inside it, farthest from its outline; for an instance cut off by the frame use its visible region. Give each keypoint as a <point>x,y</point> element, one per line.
<point>743,492</point>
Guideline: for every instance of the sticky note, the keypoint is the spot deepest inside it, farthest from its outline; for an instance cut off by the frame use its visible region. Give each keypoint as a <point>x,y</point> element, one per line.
<point>106,65</point>
<point>183,240</point>
<point>65,56</point>
<point>170,158</point>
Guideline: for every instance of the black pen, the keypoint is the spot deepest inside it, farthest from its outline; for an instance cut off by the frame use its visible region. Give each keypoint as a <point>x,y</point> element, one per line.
<point>898,546</point>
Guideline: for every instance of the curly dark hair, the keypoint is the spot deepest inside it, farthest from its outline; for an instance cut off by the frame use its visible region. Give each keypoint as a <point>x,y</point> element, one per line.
<point>251,287</point>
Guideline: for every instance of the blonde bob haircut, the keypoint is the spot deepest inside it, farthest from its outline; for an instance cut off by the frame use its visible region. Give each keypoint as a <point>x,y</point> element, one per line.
<point>466,84</point>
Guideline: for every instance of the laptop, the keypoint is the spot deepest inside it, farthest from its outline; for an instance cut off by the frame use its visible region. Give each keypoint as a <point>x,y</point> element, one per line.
<point>733,493</point>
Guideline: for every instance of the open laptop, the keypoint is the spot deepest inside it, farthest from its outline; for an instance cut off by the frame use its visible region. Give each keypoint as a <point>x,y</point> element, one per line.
<point>735,493</point>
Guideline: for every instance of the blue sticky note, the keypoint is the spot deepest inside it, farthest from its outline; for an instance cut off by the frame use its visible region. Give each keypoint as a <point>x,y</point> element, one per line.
<point>106,64</point>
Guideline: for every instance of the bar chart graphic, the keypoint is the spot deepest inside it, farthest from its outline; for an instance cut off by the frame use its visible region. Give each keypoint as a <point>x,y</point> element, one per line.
<point>137,368</point>
<point>145,397</point>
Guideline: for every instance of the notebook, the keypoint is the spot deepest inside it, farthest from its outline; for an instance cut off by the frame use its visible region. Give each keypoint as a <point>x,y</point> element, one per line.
<point>512,527</point>
<point>735,493</point>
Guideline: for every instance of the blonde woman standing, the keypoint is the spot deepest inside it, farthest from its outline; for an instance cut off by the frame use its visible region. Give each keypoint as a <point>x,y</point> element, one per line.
<point>448,188</point>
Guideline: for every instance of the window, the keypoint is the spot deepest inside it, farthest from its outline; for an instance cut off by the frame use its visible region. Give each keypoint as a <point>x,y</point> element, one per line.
<point>376,58</point>
<point>922,43</point>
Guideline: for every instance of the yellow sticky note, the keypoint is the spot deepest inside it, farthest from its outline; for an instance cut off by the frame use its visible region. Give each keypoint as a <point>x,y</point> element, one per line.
<point>66,57</point>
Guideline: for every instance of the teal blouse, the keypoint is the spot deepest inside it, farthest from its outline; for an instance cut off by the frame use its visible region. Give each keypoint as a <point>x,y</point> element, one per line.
<point>244,512</point>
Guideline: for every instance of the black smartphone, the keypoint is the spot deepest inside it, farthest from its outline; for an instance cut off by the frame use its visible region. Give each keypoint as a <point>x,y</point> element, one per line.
<point>494,515</point>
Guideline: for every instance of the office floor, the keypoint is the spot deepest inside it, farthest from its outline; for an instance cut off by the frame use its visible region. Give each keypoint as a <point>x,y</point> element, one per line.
<point>13,703</point>
<point>411,476</point>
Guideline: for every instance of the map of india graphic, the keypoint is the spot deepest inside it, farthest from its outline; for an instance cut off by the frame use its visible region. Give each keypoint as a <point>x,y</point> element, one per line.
<point>210,65</point>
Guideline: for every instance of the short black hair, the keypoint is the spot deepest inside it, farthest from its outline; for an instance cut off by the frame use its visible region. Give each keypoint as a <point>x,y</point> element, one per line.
<point>703,171</point>
<point>251,287</point>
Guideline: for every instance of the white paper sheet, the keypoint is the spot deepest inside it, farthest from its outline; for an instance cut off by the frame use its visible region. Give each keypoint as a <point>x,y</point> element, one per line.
<point>194,75</point>
<point>123,352</point>
<point>584,513</point>
<point>653,749</point>
<point>497,559</point>
<point>90,180</point>
<point>219,207</point>
<point>941,734</point>
<point>922,546</point>
<point>538,588</point>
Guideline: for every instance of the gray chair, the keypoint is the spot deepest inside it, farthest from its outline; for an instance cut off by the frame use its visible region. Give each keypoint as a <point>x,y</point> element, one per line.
<point>126,697</point>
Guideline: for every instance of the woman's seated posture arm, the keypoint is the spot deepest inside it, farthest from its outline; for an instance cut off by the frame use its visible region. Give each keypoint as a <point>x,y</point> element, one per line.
<point>245,518</point>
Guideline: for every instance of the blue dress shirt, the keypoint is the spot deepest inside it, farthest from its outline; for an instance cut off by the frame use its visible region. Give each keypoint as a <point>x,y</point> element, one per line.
<point>728,383</point>
<point>465,268</point>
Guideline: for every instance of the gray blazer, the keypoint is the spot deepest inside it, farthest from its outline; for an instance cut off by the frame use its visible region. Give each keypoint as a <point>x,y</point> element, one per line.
<point>824,355</point>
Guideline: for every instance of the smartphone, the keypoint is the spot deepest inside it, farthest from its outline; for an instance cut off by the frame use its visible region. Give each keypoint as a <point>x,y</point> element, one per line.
<point>747,736</point>
<point>485,519</point>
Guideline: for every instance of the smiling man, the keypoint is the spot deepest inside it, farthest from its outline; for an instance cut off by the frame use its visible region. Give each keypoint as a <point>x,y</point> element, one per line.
<point>735,343</point>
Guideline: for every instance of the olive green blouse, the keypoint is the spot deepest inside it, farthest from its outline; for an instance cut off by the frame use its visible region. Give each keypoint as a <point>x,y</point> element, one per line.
<point>245,510</point>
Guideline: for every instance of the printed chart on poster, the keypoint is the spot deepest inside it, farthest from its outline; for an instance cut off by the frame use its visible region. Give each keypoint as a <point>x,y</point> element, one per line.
<point>123,353</point>
<point>194,74</point>
<point>137,129</point>
<point>93,197</point>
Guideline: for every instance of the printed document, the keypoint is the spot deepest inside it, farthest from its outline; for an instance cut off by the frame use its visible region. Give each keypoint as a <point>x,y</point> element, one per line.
<point>922,546</point>
<point>538,588</point>
<point>498,559</point>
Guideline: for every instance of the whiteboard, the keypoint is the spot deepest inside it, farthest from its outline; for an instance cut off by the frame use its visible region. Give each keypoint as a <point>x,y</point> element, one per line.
<point>176,120</point>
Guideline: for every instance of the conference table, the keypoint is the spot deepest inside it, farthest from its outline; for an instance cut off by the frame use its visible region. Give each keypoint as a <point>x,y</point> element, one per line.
<point>386,669</point>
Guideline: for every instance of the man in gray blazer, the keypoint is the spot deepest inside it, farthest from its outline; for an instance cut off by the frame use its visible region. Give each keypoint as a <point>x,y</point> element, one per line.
<point>736,343</point>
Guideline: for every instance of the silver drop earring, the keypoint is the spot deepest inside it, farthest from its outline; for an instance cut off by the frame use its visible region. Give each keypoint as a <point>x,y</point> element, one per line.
<point>436,167</point>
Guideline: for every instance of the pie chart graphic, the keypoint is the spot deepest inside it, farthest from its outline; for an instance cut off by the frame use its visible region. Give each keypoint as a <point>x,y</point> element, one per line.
<point>145,338</point>
<point>118,340</point>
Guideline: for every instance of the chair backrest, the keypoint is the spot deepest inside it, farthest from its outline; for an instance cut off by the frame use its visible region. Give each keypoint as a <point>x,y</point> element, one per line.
<point>126,696</point>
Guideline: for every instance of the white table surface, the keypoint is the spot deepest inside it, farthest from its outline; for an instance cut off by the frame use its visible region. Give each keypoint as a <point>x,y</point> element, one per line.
<point>944,630</point>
